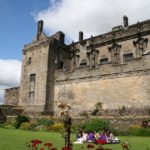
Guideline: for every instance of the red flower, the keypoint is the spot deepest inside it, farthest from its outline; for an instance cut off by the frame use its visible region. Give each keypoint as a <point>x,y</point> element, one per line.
<point>66,148</point>
<point>48,144</point>
<point>35,142</point>
<point>100,148</point>
<point>41,148</point>
<point>90,146</point>
<point>54,149</point>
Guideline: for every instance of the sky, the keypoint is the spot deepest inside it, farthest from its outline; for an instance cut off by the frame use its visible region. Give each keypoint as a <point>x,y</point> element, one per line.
<point>18,25</point>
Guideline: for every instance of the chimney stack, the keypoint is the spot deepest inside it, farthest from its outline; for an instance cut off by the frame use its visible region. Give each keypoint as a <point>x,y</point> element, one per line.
<point>80,36</point>
<point>125,21</point>
<point>39,28</point>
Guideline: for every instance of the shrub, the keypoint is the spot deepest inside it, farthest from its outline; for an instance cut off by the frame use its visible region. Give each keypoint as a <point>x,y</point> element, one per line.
<point>20,119</point>
<point>29,125</point>
<point>40,128</point>
<point>45,122</point>
<point>95,111</point>
<point>135,127</point>
<point>56,127</point>
<point>96,125</point>
<point>139,132</point>
<point>133,132</point>
<point>9,124</point>
<point>123,110</point>
<point>2,119</point>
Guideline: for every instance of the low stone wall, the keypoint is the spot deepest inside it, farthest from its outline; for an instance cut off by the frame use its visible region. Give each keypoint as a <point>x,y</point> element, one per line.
<point>10,110</point>
<point>122,123</point>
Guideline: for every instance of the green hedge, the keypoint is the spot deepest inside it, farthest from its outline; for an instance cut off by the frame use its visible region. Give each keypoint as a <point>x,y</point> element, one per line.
<point>96,125</point>
<point>133,132</point>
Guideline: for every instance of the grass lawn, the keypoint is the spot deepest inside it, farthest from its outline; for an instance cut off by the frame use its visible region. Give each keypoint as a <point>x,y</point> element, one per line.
<point>16,140</point>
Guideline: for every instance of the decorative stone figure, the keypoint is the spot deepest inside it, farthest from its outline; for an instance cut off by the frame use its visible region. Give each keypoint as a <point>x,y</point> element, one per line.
<point>140,45</point>
<point>114,51</point>
<point>74,57</point>
<point>92,54</point>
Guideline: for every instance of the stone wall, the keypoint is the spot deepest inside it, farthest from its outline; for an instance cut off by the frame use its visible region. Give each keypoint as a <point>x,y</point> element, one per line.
<point>12,96</point>
<point>121,123</point>
<point>33,88</point>
<point>114,86</point>
<point>111,68</point>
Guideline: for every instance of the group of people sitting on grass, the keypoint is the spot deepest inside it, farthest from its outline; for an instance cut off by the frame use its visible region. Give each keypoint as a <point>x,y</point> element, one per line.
<point>97,138</point>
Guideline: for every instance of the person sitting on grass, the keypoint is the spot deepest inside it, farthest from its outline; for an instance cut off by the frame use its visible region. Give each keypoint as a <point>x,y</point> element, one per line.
<point>111,139</point>
<point>102,139</point>
<point>81,139</point>
<point>91,137</point>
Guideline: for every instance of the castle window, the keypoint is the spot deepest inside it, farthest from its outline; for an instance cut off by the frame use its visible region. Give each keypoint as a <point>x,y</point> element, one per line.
<point>128,57</point>
<point>32,77</point>
<point>29,60</point>
<point>31,95</point>
<point>60,65</point>
<point>83,64</point>
<point>104,61</point>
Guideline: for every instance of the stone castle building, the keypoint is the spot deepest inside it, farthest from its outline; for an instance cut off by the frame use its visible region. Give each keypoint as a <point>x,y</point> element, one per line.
<point>112,68</point>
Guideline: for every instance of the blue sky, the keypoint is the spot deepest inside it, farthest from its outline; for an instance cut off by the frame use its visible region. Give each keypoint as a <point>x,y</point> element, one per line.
<point>18,25</point>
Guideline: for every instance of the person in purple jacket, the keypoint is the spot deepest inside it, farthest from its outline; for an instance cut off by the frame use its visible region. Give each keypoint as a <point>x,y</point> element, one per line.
<point>91,137</point>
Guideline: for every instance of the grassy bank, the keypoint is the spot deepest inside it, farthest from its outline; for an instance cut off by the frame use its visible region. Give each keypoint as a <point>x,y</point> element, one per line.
<point>16,140</point>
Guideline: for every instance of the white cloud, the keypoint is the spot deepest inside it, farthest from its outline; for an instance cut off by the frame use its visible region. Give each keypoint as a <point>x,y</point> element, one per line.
<point>93,17</point>
<point>10,71</point>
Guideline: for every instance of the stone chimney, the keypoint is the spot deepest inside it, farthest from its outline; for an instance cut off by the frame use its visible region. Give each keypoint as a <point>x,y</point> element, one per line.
<point>60,36</point>
<point>39,29</point>
<point>80,36</point>
<point>125,21</point>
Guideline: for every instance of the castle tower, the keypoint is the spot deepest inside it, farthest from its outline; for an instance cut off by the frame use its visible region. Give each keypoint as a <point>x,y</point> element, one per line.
<point>36,89</point>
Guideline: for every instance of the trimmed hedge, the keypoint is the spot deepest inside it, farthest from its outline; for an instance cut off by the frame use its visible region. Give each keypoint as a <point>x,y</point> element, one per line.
<point>96,125</point>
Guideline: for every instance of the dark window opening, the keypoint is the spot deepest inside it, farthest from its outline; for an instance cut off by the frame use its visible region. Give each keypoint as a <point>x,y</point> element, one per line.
<point>32,77</point>
<point>83,64</point>
<point>128,57</point>
<point>31,95</point>
<point>104,61</point>
<point>60,65</point>
<point>29,60</point>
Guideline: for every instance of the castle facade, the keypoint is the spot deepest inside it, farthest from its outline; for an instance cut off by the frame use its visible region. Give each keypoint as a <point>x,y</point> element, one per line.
<point>112,68</point>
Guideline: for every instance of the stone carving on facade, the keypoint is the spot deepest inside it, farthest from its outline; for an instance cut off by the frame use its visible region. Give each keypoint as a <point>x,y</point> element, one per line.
<point>106,77</point>
<point>114,51</point>
<point>140,46</point>
<point>92,54</point>
<point>74,57</point>
<point>11,100</point>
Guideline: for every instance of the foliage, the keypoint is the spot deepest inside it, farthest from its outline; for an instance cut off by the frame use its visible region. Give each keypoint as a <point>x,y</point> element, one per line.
<point>134,131</point>
<point>2,119</point>
<point>98,107</point>
<point>57,127</point>
<point>20,119</point>
<point>45,122</point>
<point>9,124</point>
<point>96,125</point>
<point>122,110</point>
<point>41,128</point>
<point>95,111</point>
<point>29,125</point>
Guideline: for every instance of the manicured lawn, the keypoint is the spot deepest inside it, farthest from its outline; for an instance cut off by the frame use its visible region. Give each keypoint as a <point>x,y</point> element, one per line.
<point>16,140</point>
